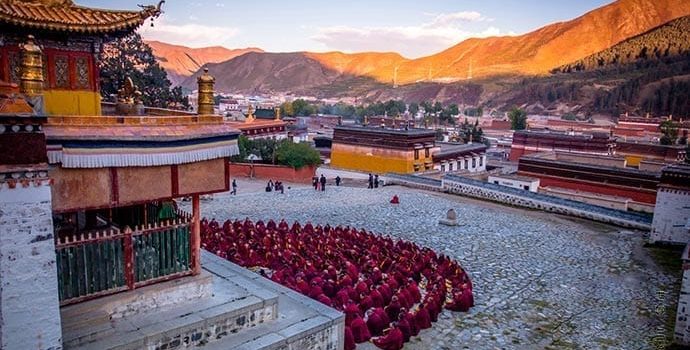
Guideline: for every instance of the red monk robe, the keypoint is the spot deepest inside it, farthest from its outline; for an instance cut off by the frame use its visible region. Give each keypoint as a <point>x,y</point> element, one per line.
<point>393,309</point>
<point>360,331</point>
<point>422,318</point>
<point>392,340</point>
<point>405,329</point>
<point>349,339</point>
<point>462,301</point>
<point>377,321</point>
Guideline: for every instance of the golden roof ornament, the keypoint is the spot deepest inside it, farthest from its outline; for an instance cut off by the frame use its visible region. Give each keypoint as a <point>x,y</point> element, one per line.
<point>277,112</point>
<point>250,114</point>
<point>31,81</point>
<point>205,83</point>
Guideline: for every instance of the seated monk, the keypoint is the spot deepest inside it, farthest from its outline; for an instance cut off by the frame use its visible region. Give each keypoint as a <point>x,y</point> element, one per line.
<point>404,327</point>
<point>366,303</point>
<point>393,309</point>
<point>360,331</point>
<point>395,200</point>
<point>377,321</point>
<point>393,339</point>
<point>376,298</point>
<point>351,312</point>
<point>462,301</point>
<point>349,339</point>
<point>422,318</point>
<point>324,299</point>
<point>409,318</point>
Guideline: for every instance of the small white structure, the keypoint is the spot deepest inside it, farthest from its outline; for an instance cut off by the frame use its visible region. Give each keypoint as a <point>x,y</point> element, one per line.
<point>516,181</point>
<point>672,209</point>
<point>451,157</point>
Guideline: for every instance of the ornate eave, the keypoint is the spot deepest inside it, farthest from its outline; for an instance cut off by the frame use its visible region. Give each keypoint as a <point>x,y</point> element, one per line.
<point>64,16</point>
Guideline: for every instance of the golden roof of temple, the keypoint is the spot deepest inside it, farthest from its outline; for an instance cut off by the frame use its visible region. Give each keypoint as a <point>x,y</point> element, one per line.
<point>64,15</point>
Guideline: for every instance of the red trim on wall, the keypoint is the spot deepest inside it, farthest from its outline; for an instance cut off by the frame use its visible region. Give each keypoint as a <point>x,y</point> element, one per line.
<point>174,178</point>
<point>114,188</point>
<point>636,194</point>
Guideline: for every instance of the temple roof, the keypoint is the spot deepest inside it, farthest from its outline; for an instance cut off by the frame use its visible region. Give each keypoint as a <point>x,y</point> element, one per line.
<point>64,15</point>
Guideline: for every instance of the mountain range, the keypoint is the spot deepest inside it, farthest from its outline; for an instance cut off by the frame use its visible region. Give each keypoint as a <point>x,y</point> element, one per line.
<point>478,67</point>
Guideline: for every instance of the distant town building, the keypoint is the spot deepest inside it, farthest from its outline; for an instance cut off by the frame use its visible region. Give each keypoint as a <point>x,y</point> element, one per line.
<point>261,124</point>
<point>382,150</point>
<point>451,157</point>
<point>516,181</point>
<point>602,175</point>
<point>533,141</point>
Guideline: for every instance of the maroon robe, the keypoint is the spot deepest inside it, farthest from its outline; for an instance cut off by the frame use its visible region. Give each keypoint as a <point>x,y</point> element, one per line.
<point>392,340</point>
<point>377,321</point>
<point>349,339</point>
<point>405,329</point>
<point>422,318</point>
<point>393,309</point>
<point>360,331</point>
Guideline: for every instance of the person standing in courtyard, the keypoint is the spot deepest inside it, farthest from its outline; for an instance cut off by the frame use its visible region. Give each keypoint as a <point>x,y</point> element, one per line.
<point>234,187</point>
<point>323,183</point>
<point>376,181</point>
<point>337,180</point>
<point>315,182</point>
<point>371,181</point>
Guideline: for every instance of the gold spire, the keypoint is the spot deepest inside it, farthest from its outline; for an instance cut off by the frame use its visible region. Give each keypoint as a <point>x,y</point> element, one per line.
<point>31,81</point>
<point>277,112</point>
<point>250,114</point>
<point>205,83</point>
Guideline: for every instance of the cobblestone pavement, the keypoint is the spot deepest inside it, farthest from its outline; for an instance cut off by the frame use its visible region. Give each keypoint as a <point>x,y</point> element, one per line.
<point>541,281</point>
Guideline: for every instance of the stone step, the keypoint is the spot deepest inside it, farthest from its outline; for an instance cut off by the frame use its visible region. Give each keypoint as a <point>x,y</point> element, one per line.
<point>229,308</point>
<point>302,323</point>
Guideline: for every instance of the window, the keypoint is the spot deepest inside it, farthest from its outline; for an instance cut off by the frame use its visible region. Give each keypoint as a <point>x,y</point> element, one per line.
<point>416,154</point>
<point>481,161</point>
<point>426,152</point>
<point>82,66</point>
<point>443,167</point>
<point>526,188</point>
<point>467,163</point>
<point>474,162</point>
<point>61,72</point>
<point>496,182</point>
<point>450,167</point>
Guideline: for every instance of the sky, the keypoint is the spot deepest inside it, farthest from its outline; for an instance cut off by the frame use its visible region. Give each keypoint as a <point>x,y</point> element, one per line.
<point>413,28</point>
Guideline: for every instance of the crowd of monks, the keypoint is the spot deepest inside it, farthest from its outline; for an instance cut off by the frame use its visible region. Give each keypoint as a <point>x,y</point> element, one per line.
<point>388,289</point>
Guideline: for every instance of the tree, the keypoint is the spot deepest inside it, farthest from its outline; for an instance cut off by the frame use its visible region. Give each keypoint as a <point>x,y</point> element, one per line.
<point>297,155</point>
<point>518,119</point>
<point>131,57</point>
<point>669,131</point>
<point>286,109</point>
<point>413,108</point>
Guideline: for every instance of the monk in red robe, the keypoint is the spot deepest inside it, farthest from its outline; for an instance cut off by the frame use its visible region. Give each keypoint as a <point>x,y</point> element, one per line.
<point>404,327</point>
<point>462,301</point>
<point>360,331</point>
<point>422,318</point>
<point>349,339</point>
<point>377,321</point>
<point>393,339</point>
<point>393,309</point>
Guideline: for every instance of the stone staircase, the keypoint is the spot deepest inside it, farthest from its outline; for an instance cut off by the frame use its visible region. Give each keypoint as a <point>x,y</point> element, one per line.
<point>226,307</point>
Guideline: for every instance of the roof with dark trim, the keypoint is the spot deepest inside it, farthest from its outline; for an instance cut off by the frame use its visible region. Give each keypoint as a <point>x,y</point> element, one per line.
<point>64,15</point>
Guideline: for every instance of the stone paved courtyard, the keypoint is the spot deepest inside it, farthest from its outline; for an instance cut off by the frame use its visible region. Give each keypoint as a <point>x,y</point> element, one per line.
<point>541,281</point>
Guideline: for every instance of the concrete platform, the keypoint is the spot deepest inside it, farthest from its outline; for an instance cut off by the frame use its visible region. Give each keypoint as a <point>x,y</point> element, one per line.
<point>242,311</point>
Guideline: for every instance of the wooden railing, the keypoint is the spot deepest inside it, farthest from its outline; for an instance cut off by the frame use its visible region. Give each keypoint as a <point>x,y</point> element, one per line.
<point>105,262</point>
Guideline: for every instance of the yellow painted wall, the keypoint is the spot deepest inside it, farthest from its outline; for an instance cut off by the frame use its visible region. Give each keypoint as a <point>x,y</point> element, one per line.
<point>71,102</point>
<point>377,160</point>
<point>633,160</point>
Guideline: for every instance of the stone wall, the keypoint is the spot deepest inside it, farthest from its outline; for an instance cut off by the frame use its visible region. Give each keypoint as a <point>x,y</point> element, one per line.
<point>520,198</point>
<point>682,329</point>
<point>272,172</point>
<point>29,306</point>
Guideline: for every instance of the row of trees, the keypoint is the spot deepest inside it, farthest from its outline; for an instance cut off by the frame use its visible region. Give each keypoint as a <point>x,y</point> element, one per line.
<point>434,112</point>
<point>283,152</point>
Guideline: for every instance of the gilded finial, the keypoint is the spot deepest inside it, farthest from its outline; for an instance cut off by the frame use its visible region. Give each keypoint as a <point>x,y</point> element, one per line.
<point>205,84</point>
<point>277,112</point>
<point>31,81</point>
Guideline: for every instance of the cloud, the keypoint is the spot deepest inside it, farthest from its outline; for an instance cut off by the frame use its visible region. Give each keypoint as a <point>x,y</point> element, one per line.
<point>439,33</point>
<point>189,34</point>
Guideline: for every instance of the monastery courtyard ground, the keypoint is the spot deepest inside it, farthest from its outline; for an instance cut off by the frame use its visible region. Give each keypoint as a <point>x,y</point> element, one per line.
<point>541,281</point>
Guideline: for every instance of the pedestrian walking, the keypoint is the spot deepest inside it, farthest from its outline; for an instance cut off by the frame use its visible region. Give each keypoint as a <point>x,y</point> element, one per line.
<point>323,183</point>
<point>315,183</point>
<point>376,181</point>
<point>234,187</point>
<point>371,181</point>
<point>337,180</point>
